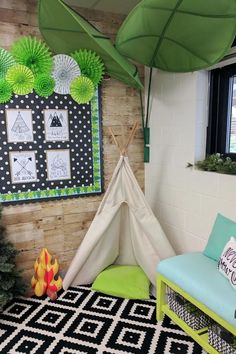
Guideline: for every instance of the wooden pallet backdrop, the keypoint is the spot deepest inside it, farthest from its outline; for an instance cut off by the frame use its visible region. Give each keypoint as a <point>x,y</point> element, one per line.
<point>61,225</point>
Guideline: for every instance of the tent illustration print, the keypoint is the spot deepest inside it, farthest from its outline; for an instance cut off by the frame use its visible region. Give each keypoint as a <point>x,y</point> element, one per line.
<point>19,125</point>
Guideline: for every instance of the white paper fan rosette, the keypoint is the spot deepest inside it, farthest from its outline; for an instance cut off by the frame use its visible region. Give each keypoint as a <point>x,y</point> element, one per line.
<point>65,69</point>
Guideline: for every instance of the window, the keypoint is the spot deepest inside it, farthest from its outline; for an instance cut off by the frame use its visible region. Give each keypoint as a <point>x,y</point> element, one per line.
<point>221,135</point>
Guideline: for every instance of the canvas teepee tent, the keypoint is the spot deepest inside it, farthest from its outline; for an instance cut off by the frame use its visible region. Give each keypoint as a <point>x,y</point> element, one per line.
<point>124,230</point>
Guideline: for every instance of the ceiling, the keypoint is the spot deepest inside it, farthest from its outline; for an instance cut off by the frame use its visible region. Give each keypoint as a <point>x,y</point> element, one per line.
<point>115,6</point>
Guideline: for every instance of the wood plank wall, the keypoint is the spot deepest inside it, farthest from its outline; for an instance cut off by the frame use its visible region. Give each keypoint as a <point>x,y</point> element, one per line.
<point>60,225</point>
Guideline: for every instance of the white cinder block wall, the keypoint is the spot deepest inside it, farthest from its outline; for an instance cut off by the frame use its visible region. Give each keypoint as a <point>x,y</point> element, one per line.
<point>185,201</point>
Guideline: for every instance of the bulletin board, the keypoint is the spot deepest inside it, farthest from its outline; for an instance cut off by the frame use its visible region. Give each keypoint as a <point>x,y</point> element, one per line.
<point>49,148</point>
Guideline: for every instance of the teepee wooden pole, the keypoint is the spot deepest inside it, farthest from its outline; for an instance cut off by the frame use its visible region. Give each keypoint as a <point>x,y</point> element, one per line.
<point>131,137</point>
<point>115,140</point>
<point>129,141</point>
<point>123,134</point>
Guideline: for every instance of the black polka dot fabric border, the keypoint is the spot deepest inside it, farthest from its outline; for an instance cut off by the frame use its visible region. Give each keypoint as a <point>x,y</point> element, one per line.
<point>49,148</point>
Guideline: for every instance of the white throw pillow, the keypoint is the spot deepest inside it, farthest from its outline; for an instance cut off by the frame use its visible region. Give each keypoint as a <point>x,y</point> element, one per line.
<point>227,262</point>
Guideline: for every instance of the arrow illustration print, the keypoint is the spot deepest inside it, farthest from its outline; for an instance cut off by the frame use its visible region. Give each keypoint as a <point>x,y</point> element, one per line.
<point>23,166</point>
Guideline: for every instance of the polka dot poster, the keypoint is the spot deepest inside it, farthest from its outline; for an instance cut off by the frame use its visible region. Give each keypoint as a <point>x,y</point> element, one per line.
<point>50,147</point>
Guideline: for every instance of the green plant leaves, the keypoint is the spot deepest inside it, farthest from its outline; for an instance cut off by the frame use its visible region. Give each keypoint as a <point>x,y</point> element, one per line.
<point>216,163</point>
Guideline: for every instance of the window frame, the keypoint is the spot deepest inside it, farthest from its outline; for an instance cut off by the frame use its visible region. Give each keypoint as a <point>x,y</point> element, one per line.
<point>217,134</point>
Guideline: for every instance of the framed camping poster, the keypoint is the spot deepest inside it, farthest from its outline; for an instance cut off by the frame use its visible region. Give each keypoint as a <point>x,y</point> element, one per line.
<point>19,125</point>
<point>58,164</point>
<point>23,166</point>
<point>56,125</point>
<point>50,147</point>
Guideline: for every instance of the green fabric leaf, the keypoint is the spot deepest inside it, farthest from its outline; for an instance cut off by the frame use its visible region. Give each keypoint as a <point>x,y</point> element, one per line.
<point>178,35</point>
<point>68,31</point>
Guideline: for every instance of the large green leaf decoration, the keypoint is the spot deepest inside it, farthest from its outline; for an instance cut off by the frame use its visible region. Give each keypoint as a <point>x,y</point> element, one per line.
<point>65,31</point>
<point>178,35</point>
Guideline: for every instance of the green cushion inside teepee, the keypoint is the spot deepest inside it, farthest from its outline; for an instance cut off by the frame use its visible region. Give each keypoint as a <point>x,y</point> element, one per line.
<point>129,282</point>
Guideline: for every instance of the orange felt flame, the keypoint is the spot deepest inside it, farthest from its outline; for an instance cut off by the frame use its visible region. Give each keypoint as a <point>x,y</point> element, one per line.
<point>43,281</point>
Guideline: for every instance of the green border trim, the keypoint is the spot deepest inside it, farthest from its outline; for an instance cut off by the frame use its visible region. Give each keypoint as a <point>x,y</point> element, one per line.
<point>97,186</point>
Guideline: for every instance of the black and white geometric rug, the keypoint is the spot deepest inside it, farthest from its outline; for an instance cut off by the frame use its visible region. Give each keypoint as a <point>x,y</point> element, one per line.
<point>87,322</point>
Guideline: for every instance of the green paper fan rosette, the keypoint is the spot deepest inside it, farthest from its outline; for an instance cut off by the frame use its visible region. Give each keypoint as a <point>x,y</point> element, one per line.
<point>21,79</point>
<point>5,91</point>
<point>91,65</point>
<point>44,85</point>
<point>34,54</point>
<point>6,61</point>
<point>82,89</point>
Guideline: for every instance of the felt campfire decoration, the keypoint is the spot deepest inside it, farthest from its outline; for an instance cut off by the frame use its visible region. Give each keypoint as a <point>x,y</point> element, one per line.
<point>43,281</point>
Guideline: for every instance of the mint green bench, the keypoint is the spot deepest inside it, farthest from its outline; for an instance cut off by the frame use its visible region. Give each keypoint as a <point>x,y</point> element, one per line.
<point>197,278</point>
